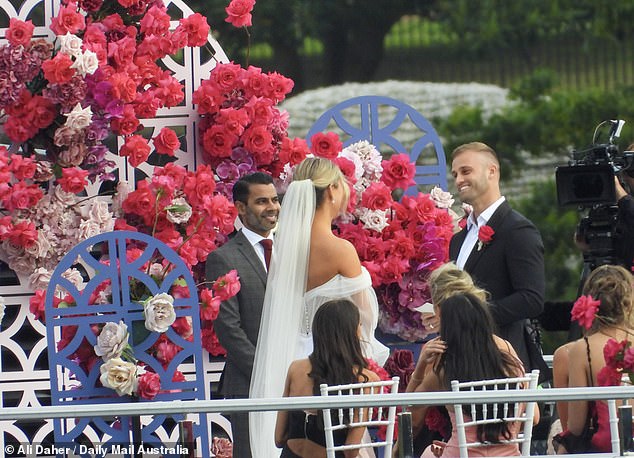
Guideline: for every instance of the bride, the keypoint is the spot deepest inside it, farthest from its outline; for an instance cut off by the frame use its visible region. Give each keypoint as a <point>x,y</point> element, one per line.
<point>310,266</point>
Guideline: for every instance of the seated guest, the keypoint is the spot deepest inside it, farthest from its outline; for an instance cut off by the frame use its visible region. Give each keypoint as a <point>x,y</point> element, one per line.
<point>447,280</point>
<point>578,363</point>
<point>467,350</point>
<point>336,359</point>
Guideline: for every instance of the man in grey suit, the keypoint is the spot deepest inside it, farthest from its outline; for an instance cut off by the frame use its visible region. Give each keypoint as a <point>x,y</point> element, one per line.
<point>238,322</point>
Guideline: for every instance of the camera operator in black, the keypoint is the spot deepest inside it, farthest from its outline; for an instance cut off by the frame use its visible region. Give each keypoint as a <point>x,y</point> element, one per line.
<point>617,230</point>
<point>624,236</point>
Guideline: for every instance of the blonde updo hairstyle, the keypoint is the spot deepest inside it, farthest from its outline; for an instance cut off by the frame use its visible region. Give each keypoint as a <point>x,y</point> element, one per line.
<point>323,173</point>
<point>448,280</point>
<point>612,285</point>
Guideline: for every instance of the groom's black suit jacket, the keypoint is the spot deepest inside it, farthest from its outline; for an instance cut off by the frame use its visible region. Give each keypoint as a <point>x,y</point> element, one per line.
<point>511,268</point>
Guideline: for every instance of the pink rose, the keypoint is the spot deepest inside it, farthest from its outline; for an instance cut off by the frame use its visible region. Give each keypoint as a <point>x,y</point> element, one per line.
<point>211,342</point>
<point>73,179</point>
<point>166,142</point>
<point>485,234</point>
<point>20,32</point>
<point>584,311</point>
<point>609,376</point>
<point>377,197</point>
<point>239,12</point>
<point>149,385</point>
<point>68,20</point>
<point>398,172</point>
<point>210,305</point>
<point>136,149</point>
<point>326,145</point>
<point>227,286</point>
<point>197,29</point>
<point>293,151</point>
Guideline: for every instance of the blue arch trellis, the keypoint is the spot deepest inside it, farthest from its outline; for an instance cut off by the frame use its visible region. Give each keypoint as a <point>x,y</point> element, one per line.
<point>371,130</point>
<point>118,271</point>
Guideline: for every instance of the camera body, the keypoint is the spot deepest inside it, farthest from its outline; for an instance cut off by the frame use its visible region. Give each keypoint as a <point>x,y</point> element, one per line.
<point>588,183</point>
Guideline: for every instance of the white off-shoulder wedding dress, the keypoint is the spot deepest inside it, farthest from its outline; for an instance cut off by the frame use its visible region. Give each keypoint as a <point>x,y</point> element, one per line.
<point>288,311</point>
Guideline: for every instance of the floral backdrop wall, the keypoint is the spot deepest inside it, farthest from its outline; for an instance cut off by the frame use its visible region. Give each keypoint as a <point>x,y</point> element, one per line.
<point>71,104</point>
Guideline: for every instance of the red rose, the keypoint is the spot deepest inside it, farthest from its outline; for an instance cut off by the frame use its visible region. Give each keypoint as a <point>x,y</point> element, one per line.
<point>149,385</point>
<point>166,142</point>
<point>485,234</point>
<point>20,32</point>
<point>57,69</point>
<point>326,145</point>
<point>239,12</point>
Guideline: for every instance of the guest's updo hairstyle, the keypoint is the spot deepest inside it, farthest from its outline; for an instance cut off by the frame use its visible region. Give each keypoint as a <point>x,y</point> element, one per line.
<point>612,285</point>
<point>448,280</point>
<point>323,173</point>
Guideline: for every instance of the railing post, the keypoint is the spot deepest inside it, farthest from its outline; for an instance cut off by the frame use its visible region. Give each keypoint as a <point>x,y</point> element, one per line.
<point>625,428</point>
<point>405,438</point>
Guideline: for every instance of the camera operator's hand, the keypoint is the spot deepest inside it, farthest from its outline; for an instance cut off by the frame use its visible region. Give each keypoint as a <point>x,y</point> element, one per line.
<point>620,190</point>
<point>581,241</point>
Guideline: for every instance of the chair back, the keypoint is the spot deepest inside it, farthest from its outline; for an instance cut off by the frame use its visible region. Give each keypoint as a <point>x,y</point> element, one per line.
<point>482,413</point>
<point>354,417</point>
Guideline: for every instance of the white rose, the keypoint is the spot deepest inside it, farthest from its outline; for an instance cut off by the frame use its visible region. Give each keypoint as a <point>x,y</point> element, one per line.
<point>375,220</point>
<point>74,276</point>
<point>179,211</point>
<point>88,228</point>
<point>112,340</point>
<point>159,312</point>
<point>100,213</point>
<point>119,197</point>
<point>79,118</point>
<point>442,198</point>
<point>3,306</point>
<point>156,270</point>
<point>86,63</point>
<point>70,44</point>
<point>40,278</point>
<point>119,375</point>
<point>41,247</point>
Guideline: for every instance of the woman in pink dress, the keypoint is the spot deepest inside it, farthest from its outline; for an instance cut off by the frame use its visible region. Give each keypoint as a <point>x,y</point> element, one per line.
<point>467,350</point>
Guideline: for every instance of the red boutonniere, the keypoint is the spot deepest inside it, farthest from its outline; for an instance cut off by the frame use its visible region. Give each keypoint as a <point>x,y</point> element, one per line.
<point>485,235</point>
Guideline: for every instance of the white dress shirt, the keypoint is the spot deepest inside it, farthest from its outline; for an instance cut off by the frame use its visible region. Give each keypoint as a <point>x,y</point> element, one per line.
<point>473,226</point>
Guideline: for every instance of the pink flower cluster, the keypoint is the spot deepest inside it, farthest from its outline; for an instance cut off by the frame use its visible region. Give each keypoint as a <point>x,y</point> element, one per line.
<point>619,360</point>
<point>40,228</point>
<point>180,208</point>
<point>399,243</point>
<point>242,130</point>
<point>100,78</point>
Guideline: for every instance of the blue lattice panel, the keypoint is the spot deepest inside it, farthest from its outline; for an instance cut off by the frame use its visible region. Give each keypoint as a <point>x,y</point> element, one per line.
<point>377,119</point>
<point>122,269</point>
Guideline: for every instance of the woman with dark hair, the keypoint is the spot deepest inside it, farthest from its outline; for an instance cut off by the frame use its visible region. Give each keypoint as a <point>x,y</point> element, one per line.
<point>336,359</point>
<point>470,352</point>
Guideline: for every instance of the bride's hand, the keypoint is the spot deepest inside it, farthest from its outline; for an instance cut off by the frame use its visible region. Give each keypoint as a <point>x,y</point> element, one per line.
<point>432,349</point>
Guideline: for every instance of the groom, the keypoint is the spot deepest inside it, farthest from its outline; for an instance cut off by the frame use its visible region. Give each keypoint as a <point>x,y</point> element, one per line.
<point>238,321</point>
<point>500,248</point>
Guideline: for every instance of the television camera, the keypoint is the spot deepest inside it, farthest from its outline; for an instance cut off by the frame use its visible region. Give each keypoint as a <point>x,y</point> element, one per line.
<point>588,183</point>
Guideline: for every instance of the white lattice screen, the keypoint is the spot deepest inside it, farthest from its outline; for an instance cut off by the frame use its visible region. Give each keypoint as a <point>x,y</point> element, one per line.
<point>23,358</point>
